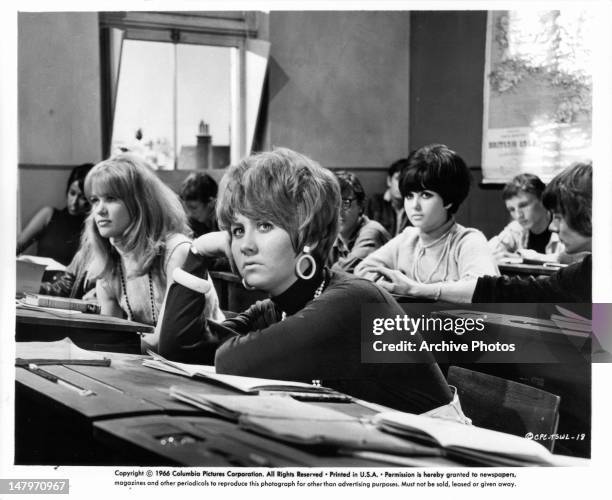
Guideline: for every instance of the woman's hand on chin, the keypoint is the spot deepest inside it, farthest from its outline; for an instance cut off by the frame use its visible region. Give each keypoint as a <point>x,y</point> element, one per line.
<point>215,244</point>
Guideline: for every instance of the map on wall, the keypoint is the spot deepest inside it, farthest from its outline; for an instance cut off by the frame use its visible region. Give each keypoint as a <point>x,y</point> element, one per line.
<point>537,92</point>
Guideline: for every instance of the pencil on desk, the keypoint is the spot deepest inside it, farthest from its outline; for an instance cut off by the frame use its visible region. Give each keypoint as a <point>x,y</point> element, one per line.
<point>57,380</point>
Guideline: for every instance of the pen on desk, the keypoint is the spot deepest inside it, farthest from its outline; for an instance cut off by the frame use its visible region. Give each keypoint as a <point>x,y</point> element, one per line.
<point>60,381</point>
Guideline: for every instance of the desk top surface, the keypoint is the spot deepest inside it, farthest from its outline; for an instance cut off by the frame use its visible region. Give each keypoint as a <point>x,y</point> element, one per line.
<point>131,409</point>
<point>127,387</point>
<point>79,320</point>
<point>535,269</point>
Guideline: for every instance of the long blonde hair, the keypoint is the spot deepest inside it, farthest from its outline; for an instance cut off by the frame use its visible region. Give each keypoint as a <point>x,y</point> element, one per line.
<point>155,212</point>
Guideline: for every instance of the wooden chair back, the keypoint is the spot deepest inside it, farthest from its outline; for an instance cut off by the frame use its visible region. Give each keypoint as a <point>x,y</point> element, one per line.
<point>504,405</point>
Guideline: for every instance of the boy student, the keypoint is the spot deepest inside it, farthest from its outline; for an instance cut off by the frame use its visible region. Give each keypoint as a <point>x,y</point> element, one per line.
<point>388,207</point>
<point>569,198</point>
<point>199,193</point>
<point>359,236</point>
<point>529,234</point>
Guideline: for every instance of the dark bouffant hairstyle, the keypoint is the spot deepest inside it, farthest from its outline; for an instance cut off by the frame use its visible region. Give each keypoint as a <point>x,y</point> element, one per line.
<point>437,168</point>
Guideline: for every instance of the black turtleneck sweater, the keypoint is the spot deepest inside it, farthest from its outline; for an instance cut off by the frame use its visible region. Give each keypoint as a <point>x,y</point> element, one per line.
<point>319,339</point>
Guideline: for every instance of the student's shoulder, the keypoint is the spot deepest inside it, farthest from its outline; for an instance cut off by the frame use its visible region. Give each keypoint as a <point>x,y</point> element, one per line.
<point>47,213</point>
<point>176,248</point>
<point>371,227</point>
<point>514,227</point>
<point>409,233</point>
<point>174,239</point>
<point>404,241</point>
<point>376,199</point>
<point>468,235</point>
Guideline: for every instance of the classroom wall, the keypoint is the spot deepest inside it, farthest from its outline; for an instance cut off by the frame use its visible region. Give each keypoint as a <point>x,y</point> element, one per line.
<point>58,103</point>
<point>338,88</point>
<point>447,53</point>
<point>354,90</point>
<point>59,88</point>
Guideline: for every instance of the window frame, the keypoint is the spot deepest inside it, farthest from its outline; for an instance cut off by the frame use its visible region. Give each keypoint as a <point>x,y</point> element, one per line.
<point>230,29</point>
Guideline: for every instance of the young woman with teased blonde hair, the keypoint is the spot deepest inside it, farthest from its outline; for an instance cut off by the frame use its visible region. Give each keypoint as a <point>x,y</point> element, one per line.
<point>136,235</point>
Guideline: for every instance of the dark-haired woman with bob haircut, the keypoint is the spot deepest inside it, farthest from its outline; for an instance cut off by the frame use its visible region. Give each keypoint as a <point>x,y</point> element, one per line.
<point>280,214</point>
<point>569,197</point>
<point>435,249</point>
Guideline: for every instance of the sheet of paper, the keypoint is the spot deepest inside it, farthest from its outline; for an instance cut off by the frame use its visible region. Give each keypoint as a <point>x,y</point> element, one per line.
<point>244,384</point>
<point>49,263</point>
<point>59,349</point>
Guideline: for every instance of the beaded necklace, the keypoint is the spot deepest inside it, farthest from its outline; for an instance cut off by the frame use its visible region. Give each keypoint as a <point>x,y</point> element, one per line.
<point>127,302</point>
<point>318,292</point>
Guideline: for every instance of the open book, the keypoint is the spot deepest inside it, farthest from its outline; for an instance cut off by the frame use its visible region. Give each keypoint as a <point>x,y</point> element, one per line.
<point>467,441</point>
<point>247,385</point>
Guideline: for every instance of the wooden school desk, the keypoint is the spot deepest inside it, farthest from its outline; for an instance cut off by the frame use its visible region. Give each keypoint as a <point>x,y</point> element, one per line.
<point>89,331</point>
<point>527,269</point>
<point>132,420</point>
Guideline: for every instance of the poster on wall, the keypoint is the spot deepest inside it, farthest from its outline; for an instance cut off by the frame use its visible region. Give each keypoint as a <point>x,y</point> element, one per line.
<point>537,92</point>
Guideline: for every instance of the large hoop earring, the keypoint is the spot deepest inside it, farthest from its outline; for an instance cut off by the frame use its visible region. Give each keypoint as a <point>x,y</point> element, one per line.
<point>247,286</point>
<point>308,258</point>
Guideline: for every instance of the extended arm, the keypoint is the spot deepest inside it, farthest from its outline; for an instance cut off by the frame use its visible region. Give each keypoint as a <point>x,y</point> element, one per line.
<point>182,332</point>
<point>175,260</point>
<point>385,256</point>
<point>33,229</point>
<point>368,240</point>
<point>396,282</point>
